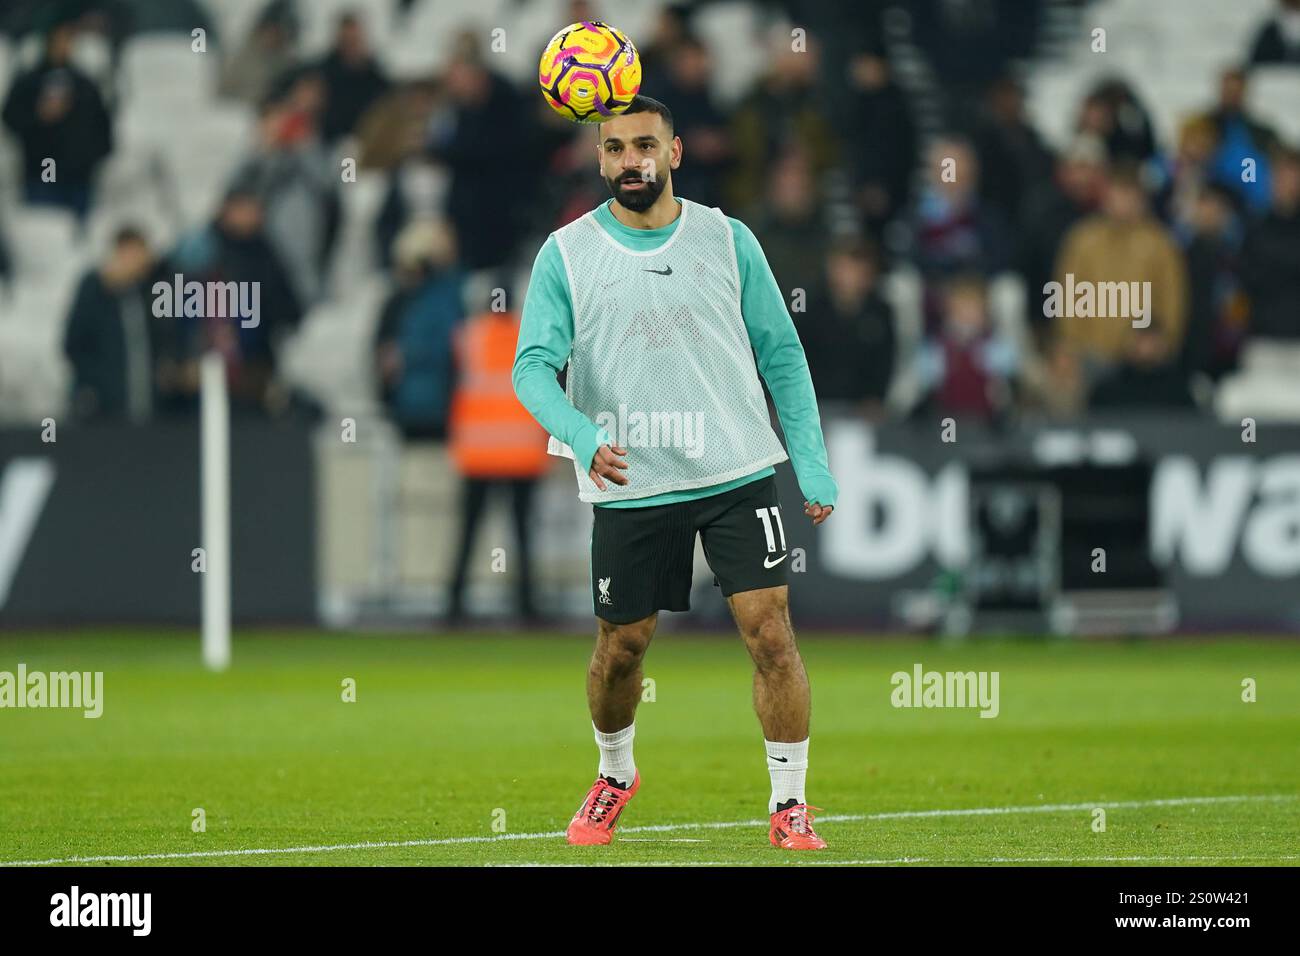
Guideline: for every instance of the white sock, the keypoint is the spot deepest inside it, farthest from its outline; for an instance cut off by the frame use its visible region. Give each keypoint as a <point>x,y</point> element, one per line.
<point>787,765</point>
<point>616,754</point>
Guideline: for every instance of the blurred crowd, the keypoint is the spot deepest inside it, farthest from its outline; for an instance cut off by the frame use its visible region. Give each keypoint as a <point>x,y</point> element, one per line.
<point>824,158</point>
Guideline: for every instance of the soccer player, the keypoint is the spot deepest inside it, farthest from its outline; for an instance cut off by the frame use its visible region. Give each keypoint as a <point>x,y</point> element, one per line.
<point>659,307</point>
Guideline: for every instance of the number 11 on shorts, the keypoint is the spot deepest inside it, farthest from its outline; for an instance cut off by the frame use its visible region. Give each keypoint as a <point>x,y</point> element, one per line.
<point>767,516</point>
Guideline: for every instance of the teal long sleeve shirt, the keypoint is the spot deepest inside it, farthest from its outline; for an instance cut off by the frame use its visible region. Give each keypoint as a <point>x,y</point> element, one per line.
<point>546,339</point>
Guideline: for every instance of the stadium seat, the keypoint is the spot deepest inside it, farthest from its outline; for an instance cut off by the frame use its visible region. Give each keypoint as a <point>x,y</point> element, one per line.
<point>733,34</point>
<point>10,181</point>
<point>203,161</point>
<point>903,289</point>
<point>38,308</point>
<point>233,19</point>
<point>107,219</point>
<point>531,26</point>
<point>354,253</point>
<point>1271,398</point>
<point>1009,299</point>
<point>7,66</point>
<point>425,42</point>
<point>50,241</point>
<point>1053,96</point>
<point>32,373</point>
<point>178,156</point>
<point>1152,50</point>
<point>163,67</point>
<point>27,52</point>
<point>93,55</point>
<point>1267,388</point>
<point>330,356</point>
<point>134,180</point>
<point>1274,95</point>
<point>320,17</point>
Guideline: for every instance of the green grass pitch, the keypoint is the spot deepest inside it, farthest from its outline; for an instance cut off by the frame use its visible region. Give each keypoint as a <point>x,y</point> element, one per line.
<point>452,738</point>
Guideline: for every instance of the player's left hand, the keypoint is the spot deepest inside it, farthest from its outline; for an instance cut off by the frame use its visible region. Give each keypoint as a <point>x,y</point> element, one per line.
<point>818,513</point>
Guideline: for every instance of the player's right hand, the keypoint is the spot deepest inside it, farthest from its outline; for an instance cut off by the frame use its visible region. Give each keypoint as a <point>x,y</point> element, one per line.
<point>608,464</point>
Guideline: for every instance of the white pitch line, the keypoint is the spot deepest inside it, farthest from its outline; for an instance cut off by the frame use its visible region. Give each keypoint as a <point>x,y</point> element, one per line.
<point>653,828</point>
<point>805,861</point>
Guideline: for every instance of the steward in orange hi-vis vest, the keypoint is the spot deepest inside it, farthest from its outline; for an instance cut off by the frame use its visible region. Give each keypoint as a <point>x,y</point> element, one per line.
<point>491,435</point>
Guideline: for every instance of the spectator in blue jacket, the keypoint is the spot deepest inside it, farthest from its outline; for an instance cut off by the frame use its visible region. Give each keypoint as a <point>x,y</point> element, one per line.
<point>413,346</point>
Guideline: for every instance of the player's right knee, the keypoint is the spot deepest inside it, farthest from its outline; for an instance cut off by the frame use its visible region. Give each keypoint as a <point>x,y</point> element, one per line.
<point>626,643</point>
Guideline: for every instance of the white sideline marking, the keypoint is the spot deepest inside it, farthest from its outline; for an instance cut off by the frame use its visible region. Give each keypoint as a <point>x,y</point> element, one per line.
<point>667,828</point>
<point>804,861</point>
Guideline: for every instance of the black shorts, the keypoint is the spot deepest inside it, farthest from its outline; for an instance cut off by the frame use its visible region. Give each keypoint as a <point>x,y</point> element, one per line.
<point>641,558</point>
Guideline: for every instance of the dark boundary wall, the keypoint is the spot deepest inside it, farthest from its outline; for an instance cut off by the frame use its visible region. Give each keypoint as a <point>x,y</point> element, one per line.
<point>1225,514</point>
<point>113,535</point>
<point>111,541</point>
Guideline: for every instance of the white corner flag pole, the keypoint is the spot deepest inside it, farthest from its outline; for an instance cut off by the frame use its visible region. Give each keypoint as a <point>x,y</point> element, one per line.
<point>215,442</point>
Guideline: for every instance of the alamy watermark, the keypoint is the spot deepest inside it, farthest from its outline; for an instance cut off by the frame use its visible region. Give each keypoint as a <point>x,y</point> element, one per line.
<point>655,429</point>
<point>208,300</point>
<point>1098,300</point>
<point>922,688</point>
<point>130,910</point>
<point>78,690</point>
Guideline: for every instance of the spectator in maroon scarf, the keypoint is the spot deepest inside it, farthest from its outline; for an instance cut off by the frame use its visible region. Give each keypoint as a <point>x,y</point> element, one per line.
<point>966,368</point>
<point>954,230</point>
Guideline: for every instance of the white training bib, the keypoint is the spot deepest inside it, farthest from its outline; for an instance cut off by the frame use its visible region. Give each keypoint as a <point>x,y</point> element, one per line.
<point>661,359</point>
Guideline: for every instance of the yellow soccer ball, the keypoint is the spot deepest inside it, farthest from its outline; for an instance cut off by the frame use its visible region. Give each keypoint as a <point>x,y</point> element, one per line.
<point>589,72</point>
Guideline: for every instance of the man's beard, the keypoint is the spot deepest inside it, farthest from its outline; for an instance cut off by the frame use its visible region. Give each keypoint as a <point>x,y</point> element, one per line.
<point>636,200</point>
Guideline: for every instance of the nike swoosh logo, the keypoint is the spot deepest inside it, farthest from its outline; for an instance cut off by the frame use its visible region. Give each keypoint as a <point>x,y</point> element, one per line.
<point>660,272</point>
<point>769,563</point>
<point>778,759</point>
